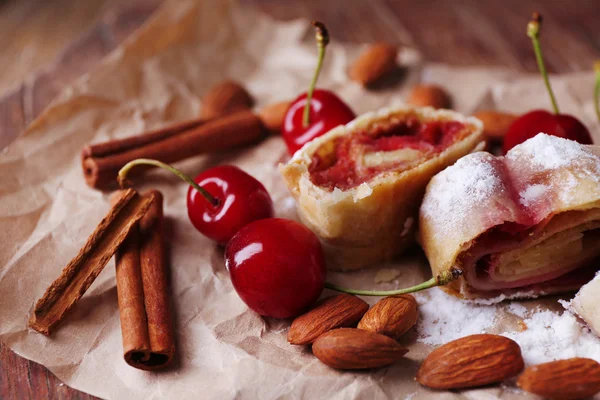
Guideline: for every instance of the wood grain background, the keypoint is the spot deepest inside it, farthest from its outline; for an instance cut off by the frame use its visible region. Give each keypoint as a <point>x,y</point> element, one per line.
<point>45,44</point>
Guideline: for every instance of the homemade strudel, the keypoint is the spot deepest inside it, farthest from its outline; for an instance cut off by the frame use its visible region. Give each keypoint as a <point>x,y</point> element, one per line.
<point>518,226</point>
<point>359,186</point>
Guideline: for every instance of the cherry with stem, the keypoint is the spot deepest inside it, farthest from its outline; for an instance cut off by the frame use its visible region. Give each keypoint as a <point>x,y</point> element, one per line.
<point>220,200</point>
<point>317,111</point>
<point>556,124</point>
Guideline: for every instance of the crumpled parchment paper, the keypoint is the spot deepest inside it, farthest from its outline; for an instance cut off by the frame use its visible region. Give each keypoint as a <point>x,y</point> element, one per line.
<point>225,351</point>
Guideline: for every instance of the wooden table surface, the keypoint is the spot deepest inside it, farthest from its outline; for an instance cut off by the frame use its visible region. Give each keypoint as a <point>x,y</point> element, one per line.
<point>46,44</point>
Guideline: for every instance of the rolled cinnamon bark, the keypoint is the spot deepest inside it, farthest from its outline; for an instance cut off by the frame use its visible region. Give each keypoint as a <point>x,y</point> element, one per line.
<point>143,292</point>
<point>101,163</point>
<point>63,294</point>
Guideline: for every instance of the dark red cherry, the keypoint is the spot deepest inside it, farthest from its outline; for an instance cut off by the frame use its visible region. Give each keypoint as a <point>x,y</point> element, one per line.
<point>220,200</point>
<point>276,267</point>
<point>241,200</point>
<point>534,122</point>
<point>326,112</point>
<point>530,124</point>
<point>317,111</point>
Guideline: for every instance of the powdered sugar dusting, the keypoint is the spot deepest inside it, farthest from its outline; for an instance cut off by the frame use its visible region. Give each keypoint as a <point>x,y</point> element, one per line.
<point>444,318</point>
<point>550,152</point>
<point>548,335</point>
<point>532,193</point>
<point>552,336</point>
<point>457,189</point>
<point>517,309</point>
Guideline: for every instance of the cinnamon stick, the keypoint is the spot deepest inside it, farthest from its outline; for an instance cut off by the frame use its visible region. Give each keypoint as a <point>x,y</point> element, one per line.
<point>102,162</point>
<point>143,292</point>
<point>64,293</point>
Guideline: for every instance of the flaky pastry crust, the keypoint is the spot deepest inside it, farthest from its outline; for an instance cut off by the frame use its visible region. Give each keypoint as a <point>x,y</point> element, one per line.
<point>375,220</point>
<point>543,193</point>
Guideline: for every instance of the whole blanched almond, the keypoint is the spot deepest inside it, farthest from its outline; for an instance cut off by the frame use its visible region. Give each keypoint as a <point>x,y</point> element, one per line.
<point>429,96</point>
<point>338,311</point>
<point>471,361</point>
<point>273,115</point>
<point>378,60</point>
<point>224,98</point>
<point>391,316</point>
<point>574,378</point>
<point>351,348</point>
<point>495,123</point>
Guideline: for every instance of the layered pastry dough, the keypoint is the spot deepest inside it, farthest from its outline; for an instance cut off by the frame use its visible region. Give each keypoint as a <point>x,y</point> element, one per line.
<point>359,186</point>
<point>518,226</point>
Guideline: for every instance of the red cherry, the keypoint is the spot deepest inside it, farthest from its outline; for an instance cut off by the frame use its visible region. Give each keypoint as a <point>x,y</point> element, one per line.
<point>276,266</point>
<point>534,122</point>
<point>317,111</point>
<point>326,112</point>
<point>530,124</point>
<point>241,200</point>
<point>220,200</point>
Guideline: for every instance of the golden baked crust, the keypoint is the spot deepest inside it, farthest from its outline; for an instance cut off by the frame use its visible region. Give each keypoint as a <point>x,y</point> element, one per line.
<point>548,188</point>
<point>377,219</point>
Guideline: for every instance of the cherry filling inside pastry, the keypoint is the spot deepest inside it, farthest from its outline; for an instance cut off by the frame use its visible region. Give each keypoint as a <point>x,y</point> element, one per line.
<point>359,186</point>
<point>521,225</point>
<point>555,253</point>
<point>394,145</point>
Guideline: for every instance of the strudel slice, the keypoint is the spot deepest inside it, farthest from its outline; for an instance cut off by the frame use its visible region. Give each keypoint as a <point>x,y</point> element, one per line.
<point>359,186</point>
<point>522,225</point>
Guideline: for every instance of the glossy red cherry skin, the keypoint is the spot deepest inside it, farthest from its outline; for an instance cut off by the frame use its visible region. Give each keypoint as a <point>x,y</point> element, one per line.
<point>326,112</point>
<point>276,266</point>
<point>530,124</point>
<point>242,199</point>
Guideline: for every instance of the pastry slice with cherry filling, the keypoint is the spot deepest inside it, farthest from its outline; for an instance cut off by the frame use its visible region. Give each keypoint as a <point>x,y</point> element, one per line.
<point>518,226</point>
<point>359,186</point>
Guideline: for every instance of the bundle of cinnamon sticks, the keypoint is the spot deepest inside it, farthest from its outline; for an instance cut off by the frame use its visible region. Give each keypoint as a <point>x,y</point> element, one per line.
<point>133,231</point>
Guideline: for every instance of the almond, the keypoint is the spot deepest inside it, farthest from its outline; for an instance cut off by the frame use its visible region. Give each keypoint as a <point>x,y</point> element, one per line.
<point>575,378</point>
<point>225,98</point>
<point>471,361</point>
<point>495,123</point>
<point>273,115</point>
<point>378,60</point>
<point>332,312</point>
<point>391,316</point>
<point>429,96</point>
<point>351,348</point>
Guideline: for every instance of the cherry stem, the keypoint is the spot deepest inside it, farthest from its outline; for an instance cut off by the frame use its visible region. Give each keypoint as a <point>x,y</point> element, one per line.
<point>533,31</point>
<point>442,279</point>
<point>322,37</point>
<point>597,89</point>
<point>122,177</point>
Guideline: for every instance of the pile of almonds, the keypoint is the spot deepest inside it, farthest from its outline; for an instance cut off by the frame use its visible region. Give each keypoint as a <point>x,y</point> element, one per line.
<point>345,334</point>
<point>335,341</point>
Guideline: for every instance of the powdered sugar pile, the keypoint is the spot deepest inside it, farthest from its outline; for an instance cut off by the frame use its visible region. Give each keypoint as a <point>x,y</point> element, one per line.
<point>458,189</point>
<point>532,193</point>
<point>549,335</point>
<point>553,336</point>
<point>443,318</point>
